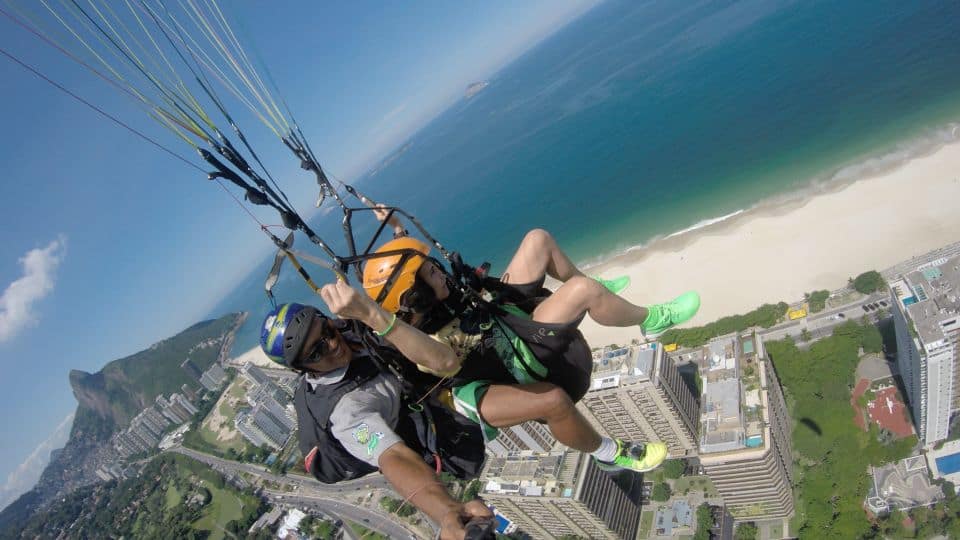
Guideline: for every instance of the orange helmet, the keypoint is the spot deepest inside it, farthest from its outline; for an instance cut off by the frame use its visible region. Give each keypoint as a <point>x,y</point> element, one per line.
<point>378,270</point>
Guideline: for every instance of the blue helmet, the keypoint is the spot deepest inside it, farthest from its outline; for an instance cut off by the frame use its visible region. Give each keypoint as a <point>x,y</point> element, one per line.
<point>284,330</point>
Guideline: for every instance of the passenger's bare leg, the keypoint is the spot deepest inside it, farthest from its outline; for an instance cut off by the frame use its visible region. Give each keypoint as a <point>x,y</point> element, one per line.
<point>538,256</point>
<point>509,405</point>
<point>581,295</point>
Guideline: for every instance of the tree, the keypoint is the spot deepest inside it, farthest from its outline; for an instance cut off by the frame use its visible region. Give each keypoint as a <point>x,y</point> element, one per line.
<point>805,335</point>
<point>869,282</point>
<point>704,522</point>
<point>746,531</point>
<point>674,468</point>
<point>661,492</point>
<point>473,489</point>
<point>817,300</point>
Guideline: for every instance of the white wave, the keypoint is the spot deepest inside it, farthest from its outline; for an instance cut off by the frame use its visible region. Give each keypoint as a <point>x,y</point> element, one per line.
<point>866,167</point>
<point>706,223</point>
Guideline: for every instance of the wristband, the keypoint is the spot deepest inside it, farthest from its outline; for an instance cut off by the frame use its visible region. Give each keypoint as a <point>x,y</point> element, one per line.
<point>389,328</point>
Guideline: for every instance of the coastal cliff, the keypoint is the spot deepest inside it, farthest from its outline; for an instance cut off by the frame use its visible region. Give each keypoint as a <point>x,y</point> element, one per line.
<point>107,401</point>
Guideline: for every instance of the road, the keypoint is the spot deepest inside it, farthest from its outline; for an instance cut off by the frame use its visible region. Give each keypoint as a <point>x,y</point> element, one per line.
<point>309,493</point>
<point>821,325</point>
<point>344,510</point>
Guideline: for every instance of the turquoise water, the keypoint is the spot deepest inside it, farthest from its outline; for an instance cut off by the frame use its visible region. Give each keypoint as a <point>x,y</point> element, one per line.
<point>754,441</point>
<point>643,119</point>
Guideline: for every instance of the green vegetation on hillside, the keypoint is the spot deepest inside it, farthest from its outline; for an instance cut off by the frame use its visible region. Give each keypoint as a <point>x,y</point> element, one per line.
<point>765,316</point>
<point>129,384</point>
<point>831,452</point>
<point>174,497</point>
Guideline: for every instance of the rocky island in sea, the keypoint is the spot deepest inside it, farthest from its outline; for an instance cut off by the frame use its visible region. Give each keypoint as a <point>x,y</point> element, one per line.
<point>475,88</point>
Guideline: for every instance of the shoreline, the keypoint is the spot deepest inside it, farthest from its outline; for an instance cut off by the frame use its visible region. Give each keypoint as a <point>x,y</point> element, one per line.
<point>810,239</point>
<point>867,216</point>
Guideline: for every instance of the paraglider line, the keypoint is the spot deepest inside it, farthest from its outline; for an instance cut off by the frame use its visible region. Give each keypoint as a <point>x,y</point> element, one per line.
<point>99,110</point>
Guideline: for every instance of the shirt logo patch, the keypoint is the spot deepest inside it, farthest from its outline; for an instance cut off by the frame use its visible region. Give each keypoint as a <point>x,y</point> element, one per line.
<point>374,441</point>
<point>363,436</point>
<point>362,433</point>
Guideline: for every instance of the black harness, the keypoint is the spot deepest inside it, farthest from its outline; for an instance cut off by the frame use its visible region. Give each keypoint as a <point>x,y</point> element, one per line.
<point>444,439</point>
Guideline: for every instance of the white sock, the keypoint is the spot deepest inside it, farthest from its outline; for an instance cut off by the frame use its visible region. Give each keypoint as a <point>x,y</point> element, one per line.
<point>607,450</point>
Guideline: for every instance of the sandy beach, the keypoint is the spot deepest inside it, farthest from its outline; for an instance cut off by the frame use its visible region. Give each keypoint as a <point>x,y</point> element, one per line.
<point>777,252</point>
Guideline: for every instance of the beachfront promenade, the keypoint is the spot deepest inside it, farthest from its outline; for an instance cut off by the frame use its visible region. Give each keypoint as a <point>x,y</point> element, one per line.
<point>951,250</point>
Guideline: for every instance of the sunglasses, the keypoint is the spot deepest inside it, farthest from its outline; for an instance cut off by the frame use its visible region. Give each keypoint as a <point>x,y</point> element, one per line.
<point>322,346</point>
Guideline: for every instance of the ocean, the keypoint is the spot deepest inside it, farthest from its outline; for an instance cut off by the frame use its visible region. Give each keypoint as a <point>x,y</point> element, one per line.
<point>644,119</point>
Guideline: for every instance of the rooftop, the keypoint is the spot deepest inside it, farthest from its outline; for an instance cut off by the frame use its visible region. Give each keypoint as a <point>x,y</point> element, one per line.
<point>930,295</point>
<point>613,367</point>
<point>531,474</point>
<point>732,397</point>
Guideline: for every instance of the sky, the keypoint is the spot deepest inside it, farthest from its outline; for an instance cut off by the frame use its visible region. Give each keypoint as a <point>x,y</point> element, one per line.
<point>110,245</point>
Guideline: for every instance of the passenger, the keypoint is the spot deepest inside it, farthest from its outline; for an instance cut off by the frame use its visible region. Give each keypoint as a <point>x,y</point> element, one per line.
<point>517,359</point>
<point>354,418</point>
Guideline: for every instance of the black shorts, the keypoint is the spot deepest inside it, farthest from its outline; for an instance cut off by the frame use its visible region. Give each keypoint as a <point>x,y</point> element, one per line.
<point>561,348</point>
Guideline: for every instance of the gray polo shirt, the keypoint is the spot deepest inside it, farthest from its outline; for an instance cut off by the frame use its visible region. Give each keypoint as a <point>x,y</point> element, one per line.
<point>363,420</point>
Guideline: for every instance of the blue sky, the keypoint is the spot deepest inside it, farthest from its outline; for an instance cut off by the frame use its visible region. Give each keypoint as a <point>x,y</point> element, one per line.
<point>110,245</point>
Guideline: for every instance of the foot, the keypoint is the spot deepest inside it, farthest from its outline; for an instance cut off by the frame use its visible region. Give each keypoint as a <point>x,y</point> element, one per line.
<point>638,457</point>
<point>615,285</point>
<point>660,317</point>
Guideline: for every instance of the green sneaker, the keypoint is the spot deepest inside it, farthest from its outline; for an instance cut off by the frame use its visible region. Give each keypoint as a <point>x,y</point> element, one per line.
<point>615,285</point>
<point>636,457</point>
<point>660,317</point>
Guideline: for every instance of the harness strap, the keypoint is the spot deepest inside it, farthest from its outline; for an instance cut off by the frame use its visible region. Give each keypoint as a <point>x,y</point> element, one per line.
<point>426,431</point>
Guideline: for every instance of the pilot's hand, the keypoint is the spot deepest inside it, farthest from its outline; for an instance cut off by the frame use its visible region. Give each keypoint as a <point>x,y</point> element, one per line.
<point>348,303</point>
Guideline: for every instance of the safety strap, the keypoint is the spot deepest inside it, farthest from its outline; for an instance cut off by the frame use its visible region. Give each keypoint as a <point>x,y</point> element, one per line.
<point>426,431</point>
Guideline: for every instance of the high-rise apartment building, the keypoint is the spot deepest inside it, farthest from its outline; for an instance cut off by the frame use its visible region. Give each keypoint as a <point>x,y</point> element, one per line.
<point>528,436</point>
<point>191,368</point>
<point>270,397</point>
<point>212,378</point>
<point>926,315</point>
<point>254,374</point>
<point>260,426</point>
<point>745,445</point>
<point>637,394</point>
<point>564,493</point>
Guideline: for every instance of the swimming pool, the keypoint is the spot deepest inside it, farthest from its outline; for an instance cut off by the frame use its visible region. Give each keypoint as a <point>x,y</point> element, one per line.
<point>949,464</point>
<point>755,441</point>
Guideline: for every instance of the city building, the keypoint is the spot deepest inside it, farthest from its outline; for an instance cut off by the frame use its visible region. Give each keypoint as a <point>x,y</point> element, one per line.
<point>214,377</point>
<point>926,315</point>
<point>260,427</point>
<point>156,420</point>
<point>563,493</point>
<point>254,374</point>
<point>528,436</point>
<point>176,408</point>
<point>745,444</point>
<point>191,368</point>
<point>184,402</point>
<point>273,399</point>
<point>637,394</point>
<point>188,392</point>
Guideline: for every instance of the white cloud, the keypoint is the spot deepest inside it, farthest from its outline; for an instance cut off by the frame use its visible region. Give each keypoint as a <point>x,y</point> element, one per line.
<point>16,303</point>
<point>25,476</point>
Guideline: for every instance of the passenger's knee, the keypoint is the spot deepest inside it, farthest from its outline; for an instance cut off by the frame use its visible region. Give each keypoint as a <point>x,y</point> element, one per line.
<point>538,239</point>
<point>556,401</point>
<point>583,287</point>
